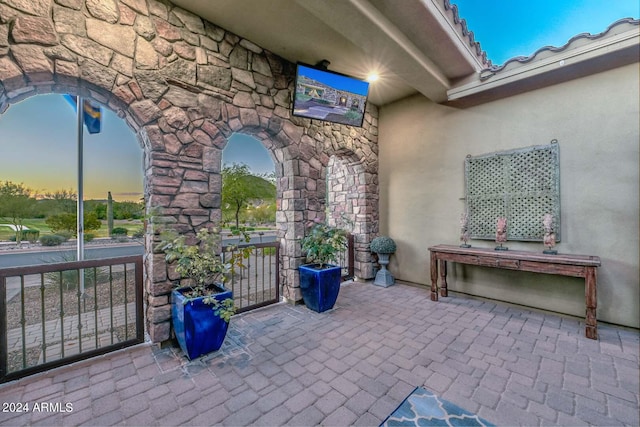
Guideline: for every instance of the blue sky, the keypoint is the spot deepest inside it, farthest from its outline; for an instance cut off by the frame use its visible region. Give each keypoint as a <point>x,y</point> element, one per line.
<point>510,28</point>
<point>242,148</point>
<point>38,135</point>
<point>336,81</point>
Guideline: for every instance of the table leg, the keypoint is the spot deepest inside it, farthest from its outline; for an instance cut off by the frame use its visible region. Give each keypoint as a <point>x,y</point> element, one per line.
<point>443,276</point>
<point>434,277</point>
<point>591,330</point>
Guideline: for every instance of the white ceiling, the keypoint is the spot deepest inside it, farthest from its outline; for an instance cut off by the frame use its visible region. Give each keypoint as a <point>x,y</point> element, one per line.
<point>409,43</point>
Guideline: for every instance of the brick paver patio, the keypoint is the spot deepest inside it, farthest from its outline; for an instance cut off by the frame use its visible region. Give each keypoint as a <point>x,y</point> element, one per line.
<point>286,365</point>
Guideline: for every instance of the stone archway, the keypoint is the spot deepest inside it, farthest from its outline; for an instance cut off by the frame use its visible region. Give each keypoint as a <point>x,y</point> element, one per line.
<point>184,86</point>
<point>349,197</point>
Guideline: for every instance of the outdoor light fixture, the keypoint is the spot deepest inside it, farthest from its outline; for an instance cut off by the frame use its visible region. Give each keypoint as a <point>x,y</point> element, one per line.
<point>372,77</point>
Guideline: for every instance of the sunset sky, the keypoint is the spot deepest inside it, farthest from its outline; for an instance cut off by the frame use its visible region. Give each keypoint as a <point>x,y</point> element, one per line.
<point>38,142</point>
<point>38,146</point>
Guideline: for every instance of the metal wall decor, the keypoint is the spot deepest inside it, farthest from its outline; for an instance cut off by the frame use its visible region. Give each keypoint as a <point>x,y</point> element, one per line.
<point>522,185</point>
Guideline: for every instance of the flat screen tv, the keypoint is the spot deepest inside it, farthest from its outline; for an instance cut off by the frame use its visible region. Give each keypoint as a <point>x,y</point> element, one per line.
<point>332,97</point>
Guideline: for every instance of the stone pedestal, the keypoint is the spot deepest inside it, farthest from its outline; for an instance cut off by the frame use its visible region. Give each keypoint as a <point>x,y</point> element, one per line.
<point>384,277</point>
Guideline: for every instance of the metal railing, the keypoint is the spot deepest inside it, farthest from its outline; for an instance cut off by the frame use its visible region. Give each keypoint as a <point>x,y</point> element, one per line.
<point>346,259</point>
<point>257,283</point>
<point>55,314</point>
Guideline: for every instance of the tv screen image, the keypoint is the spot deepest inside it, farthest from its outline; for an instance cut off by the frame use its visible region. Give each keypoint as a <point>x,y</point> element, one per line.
<point>329,96</point>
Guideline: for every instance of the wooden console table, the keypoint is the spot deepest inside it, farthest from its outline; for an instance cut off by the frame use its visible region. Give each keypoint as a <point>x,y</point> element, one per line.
<point>561,264</point>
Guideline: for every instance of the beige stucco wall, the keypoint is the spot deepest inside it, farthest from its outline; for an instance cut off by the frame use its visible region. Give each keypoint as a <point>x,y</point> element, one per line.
<point>596,122</point>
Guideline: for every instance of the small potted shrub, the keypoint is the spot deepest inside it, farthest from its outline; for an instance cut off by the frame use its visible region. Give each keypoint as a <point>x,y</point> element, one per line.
<point>201,308</point>
<point>320,280</point>
<point>384,246</point>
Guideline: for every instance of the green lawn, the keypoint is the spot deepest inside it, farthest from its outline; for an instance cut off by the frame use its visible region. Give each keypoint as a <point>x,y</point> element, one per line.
<point>38,223</point>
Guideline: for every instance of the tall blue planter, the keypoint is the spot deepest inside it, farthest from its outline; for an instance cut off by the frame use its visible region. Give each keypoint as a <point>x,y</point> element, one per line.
<point>320,287</point>
<point>198,329</point>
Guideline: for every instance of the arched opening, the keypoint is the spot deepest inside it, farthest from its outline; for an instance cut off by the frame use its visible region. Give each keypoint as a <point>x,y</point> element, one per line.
<point>348,205</point>
<point>41,159</point>
<point>39,141</point>
<point>182,109</point>
<point>254,204</point>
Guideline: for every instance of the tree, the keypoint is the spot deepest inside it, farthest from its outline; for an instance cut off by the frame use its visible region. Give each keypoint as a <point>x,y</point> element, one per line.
<point>16,204</point>
<point>240,186</point>
<point>128,210</point>
<point>98,207</point>
<point>64,200</point>
<point>264,213</point>
<point>67,222</point>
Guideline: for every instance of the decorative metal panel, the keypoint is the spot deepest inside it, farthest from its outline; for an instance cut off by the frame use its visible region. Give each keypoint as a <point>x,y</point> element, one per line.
<point>521,185</point>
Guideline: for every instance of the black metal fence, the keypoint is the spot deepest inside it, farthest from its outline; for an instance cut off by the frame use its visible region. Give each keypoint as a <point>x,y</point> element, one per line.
<point>55,314</point>
<point>257,283</point>
<point>346,259</point>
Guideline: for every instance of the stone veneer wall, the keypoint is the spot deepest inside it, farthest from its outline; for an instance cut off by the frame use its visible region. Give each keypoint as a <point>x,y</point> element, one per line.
<point>184,86</point>
<point>351,197</point>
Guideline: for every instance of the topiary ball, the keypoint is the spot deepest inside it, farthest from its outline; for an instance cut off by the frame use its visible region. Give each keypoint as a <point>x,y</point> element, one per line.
<point>383,245</point>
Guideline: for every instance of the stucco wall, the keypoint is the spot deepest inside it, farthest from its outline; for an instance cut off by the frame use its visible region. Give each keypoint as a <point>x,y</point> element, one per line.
<point>595,120</point>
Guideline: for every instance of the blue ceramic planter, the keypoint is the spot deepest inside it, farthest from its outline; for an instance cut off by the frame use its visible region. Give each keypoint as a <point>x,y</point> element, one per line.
<point>320,287</point>
<point>198,329</point>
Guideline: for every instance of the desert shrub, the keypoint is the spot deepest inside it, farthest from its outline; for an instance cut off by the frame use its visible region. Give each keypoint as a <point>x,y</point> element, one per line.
<point>51,240</point>
<point>69,278</point>
<point>119,231</point>
<point>88,237</point>
<point>31,235</point>
<point>139,233</point>
<point>65,235</point>
<point>353,115</point>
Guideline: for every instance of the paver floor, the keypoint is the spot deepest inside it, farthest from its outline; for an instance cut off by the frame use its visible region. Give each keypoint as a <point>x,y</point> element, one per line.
<point>287,365</point>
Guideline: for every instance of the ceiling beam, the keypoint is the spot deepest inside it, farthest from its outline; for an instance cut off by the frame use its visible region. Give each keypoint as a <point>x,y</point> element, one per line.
<point>366,27</point>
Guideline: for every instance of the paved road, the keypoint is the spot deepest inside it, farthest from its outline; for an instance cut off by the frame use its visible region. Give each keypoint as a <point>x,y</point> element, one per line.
<point>43,256</point>
<point>254,240</point>
<point>11,259</point>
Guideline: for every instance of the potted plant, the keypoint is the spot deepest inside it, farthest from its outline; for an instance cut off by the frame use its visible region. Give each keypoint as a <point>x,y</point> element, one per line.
<point>384,246</point>
<point>202,307</point>
<point>320,280</point>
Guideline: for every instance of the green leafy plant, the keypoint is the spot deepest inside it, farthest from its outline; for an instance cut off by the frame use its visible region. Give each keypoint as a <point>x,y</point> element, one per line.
<point>240,189</point>
<point>224,309</point>
<point>16,204</point>
<point>203,265</point>
<point>323,243</point>
<point>67,222</point>
<point>30,235</point>
<point>383,245</point>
